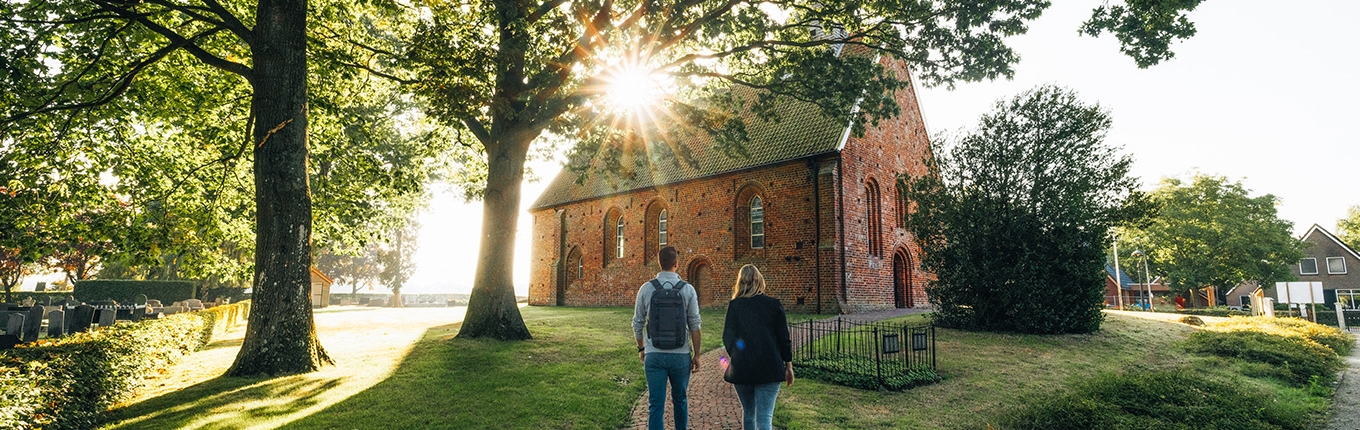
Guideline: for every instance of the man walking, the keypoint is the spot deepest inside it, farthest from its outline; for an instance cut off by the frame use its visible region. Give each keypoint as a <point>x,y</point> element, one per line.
<point>665,317</point>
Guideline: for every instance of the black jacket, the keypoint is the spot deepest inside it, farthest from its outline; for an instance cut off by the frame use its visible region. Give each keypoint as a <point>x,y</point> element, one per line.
<point>756,335</point>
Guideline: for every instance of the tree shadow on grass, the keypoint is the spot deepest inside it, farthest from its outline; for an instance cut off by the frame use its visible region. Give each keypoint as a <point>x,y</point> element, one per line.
<point>552,381</point>
<point>223,402</point>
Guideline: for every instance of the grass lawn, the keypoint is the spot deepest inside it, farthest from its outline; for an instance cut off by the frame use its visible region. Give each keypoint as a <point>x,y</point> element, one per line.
<point>581,372</point>
<point>991,376</point>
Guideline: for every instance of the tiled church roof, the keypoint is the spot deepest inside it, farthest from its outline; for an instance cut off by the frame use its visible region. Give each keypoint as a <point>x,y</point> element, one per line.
<point>802,131</point>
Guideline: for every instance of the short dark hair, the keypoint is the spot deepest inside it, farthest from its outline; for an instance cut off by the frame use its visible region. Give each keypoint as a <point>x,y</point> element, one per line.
<point>667,256</point>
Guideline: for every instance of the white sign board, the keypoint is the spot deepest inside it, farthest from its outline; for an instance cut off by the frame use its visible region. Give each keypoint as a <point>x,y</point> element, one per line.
<point>1299,292</point>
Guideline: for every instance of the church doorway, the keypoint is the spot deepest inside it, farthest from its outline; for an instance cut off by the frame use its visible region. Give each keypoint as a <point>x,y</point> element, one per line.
<point>700,275</point>
<point>902,281</point>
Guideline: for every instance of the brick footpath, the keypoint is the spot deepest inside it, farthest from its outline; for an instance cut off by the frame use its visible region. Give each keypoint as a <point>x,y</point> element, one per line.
<point>713,403</point>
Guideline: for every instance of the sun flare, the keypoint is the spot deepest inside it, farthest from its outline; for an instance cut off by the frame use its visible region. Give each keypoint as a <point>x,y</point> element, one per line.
<point>633,89</point>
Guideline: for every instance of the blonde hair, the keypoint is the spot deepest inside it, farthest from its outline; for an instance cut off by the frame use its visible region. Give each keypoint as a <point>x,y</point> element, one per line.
<point>749,283</point>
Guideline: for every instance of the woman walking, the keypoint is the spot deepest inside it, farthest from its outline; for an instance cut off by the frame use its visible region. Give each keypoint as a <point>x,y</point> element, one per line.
<point>756,335</point>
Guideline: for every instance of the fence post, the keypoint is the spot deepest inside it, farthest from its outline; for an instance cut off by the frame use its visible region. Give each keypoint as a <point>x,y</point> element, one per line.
<point>932,346</point>
<point>878,356</point>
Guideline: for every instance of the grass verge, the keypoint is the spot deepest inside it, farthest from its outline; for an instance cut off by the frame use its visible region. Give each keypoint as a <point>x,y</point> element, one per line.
<point>1022,381</point>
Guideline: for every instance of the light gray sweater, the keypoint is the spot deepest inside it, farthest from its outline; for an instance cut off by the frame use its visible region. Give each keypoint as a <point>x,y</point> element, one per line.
<point>644,303</point>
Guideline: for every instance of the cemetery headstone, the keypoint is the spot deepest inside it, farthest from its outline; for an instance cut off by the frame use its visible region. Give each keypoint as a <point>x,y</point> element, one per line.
<point>107,317</point>
<point>33,324</point>
<point>138,311</point>
<point>140,300</point>
<point>56,323</point>
<point>8,341</point>
<point>42,286</point>
<point>82,318</point>
<point>15,325</point>
<point>47,300</point>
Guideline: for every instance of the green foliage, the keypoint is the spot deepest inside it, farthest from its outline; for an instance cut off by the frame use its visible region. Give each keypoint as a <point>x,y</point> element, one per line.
<point>1348,228</point>
<point>1191,320</point>
<point>123,290</point>
<point>1293,350</point>
<point>1014,225</point>
<point>1221,311</point>
<point>1210,232</point>
<point>1177,399</point>
<point>1145,28</point>
<point>68,383</point>
<point>863,373</point>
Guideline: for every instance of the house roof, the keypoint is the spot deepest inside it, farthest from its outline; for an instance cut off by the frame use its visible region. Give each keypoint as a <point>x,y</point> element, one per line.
<point>802,131</point>
<point>316,272</point>
<point>1124,279</point>
<point>1318,229</point>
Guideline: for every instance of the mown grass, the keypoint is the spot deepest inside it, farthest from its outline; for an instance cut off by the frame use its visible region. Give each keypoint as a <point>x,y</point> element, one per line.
<point>1033,381</point>
<point>581,372</point>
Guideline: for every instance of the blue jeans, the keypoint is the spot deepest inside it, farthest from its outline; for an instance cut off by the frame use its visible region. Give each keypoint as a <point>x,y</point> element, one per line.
<point>662,367</point>
<point>757,405</point>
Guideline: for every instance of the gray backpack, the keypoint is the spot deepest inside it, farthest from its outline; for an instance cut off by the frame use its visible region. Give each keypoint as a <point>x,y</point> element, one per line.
<point>667,323</point>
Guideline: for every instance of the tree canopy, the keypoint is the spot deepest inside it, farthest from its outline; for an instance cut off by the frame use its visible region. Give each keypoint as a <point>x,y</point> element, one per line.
<point>1015,223</point>
<point>1348,228</point>
<point>197,119</point>
<point>1210,231</point>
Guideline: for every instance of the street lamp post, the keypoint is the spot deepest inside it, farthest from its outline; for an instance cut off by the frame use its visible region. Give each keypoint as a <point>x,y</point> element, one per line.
<point>1147,279</point>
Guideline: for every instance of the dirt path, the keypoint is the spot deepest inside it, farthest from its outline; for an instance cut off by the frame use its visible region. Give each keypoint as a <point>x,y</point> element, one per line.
<point>1346,412</point>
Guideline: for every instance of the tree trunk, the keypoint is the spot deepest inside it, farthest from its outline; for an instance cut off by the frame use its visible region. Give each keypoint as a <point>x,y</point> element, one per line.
<point>281,337</point>
<point>491,309</point>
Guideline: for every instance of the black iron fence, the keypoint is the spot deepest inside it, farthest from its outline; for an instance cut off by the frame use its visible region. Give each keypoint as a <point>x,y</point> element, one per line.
<point>865,354</point>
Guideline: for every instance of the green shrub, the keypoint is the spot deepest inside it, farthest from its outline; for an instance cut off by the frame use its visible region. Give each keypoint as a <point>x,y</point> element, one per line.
<point>1163,399</point>
<point>1292,359</point>
<point>1221,311</point>
<point>861,372</point>
<point>1191,320</point>
<point>123,290</point>
<point>66,383</point>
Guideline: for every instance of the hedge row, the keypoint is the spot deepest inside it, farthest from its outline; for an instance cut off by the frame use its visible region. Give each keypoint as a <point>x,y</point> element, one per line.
<point>67,383</point>
<point>19,296</point>
<point>123,290</point>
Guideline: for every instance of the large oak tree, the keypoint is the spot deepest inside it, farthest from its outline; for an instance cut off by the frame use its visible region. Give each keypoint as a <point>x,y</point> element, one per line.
<point>511,71</point>
<point>228,80</point>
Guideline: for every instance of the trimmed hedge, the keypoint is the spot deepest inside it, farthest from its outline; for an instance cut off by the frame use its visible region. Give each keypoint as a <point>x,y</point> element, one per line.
<point>1214,312</point>
<point>123,290</point>
<point>1292,349</point>
<point>67,383</point>
<point>19,296</point>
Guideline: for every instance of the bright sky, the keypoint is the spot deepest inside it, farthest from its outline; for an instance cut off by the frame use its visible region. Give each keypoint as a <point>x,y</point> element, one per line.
<point>1262,94</point>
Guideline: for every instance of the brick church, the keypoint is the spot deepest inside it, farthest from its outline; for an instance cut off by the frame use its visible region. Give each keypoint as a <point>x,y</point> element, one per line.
<point>813,207</point>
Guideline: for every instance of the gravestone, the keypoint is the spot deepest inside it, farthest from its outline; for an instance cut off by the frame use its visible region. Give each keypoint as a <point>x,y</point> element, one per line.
<point>42,286</point>
<point>15,325</point>
<point>138,311</point>
<point>56,323</point>
<point>8,341</point>
<point>33,324</point>
<point>82,318</point>
<point>47,301</point>
<point>107,317</point>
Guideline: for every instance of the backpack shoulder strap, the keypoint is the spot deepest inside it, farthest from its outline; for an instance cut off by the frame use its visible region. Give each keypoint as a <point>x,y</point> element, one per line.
<point>656,284</point>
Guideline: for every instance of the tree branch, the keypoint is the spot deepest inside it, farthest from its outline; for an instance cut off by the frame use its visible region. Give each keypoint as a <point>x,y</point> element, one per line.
<point>188,45</point>
<point>478,130</point>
